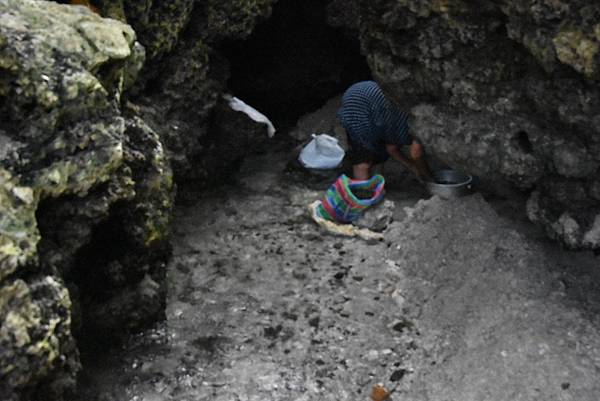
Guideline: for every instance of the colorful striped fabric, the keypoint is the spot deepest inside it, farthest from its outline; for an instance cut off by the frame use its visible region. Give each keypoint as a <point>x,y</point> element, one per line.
<point>342,206</point>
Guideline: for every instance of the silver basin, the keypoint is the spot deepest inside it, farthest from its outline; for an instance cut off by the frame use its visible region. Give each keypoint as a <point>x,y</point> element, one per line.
<point>450,184</point>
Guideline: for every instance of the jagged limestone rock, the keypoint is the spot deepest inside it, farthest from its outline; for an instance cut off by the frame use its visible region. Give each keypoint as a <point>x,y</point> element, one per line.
<point>481,135</point>
<point>161,26</point>
<point>157,23</point>
<point>35,339</point>
<point>568,210</point>
<point>183,77</point>
<point>234,19</point>
<point>62,142</point>
<point>83,188</point>
<point>86,188</point>
<point>504,90</point>
<point>19,235</point>
<point>180,109</point>
<point>180,90</point>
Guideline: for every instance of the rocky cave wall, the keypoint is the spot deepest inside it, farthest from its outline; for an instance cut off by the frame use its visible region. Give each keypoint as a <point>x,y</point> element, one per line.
<point>72,161</point>
<point>507,90</point>
<point>95,114</point>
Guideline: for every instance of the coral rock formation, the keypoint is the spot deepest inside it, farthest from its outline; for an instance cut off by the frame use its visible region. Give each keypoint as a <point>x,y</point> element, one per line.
<point>71,163</point>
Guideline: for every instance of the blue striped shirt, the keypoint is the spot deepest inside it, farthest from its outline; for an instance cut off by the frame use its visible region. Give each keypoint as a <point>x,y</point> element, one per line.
<point>371,121</point>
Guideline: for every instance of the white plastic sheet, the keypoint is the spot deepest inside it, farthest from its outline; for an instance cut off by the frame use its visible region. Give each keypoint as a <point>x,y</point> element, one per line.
<point>239,105</point>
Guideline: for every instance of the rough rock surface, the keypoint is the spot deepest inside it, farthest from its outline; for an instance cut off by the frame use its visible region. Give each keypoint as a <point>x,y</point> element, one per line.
<point>377,218</point>
<point>504,90</point>
<point>85,194</point>
<point>501,316</point>
<point>456,303</point>
<point>184,76</point>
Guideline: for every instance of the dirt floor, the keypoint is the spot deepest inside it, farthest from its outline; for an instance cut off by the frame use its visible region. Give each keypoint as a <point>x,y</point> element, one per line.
<point>463,300</point>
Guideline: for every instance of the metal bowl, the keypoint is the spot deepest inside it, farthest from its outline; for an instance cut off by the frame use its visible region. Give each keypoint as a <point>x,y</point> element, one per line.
<point>450,184</point>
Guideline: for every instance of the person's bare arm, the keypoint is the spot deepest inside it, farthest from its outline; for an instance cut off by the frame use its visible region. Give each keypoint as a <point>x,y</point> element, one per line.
<point>418,156</point>
<point>397,155</point>
<point>415,163</point>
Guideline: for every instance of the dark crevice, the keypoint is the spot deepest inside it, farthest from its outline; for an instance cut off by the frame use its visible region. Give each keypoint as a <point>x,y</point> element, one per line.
<point>294,62</point>
<point>99,262</point>
<point>109,75</point>
<point>521,139</point>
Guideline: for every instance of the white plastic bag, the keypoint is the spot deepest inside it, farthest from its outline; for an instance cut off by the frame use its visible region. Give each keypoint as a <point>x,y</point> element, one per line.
<point>322,152</point>
<point>238,105</point>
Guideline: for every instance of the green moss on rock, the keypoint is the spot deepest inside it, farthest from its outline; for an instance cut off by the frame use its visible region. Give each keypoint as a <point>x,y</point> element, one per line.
<point>35,337</point>
<point>18,227</point>
<point>69,162</point>
<point>236,18</point>
<point>578,50</point>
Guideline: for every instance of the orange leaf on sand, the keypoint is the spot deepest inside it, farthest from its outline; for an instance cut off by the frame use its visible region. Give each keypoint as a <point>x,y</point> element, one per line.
<point>379,393</point>
<point>86,3</point>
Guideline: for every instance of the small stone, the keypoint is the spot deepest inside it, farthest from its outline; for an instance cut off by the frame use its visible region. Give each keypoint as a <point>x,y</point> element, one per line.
<point>378,217</point>
<point>379,393</point>
<point>372,355</point>
<point>398,375</point>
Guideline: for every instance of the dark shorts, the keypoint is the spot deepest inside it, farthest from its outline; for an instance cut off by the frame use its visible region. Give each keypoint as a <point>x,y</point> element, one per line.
<point>357,153</point>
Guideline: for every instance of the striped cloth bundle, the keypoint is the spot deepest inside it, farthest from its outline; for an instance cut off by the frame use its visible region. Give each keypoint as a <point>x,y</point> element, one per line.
<point>342,206</point>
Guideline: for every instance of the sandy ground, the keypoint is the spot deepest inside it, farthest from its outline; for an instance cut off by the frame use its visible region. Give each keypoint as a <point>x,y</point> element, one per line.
<point>463,300</point>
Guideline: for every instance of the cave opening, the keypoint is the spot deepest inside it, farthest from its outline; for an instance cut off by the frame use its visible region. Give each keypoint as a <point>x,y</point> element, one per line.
<point>294,62</point>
